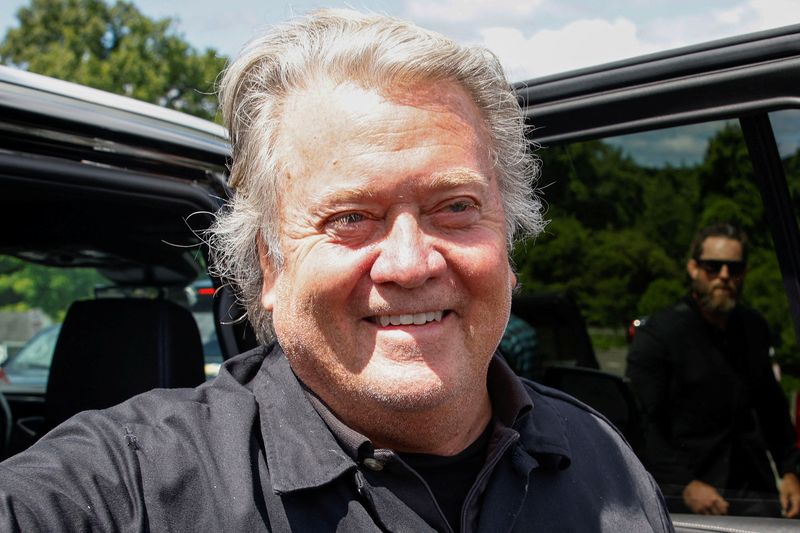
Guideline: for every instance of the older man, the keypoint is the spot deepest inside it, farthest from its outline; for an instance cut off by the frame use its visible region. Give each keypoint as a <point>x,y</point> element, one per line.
<point>380,175</point>
<point>713,407</point>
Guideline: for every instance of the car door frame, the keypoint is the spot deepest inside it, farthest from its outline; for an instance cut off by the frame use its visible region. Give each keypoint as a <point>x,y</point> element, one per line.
<point>744,78</point>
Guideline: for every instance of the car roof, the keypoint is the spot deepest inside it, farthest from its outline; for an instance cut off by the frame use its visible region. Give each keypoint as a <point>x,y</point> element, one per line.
<point>74,99</point>
<point>653,90</point>
<point>106,181</point>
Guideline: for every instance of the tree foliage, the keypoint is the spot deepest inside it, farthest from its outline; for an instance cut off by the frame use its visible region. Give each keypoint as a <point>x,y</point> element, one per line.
<point>25,286</point>
<point>116,48</point>
<point>620,230</point>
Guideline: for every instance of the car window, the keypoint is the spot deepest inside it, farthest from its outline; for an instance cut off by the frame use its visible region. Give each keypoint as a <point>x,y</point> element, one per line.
<point>623,211</point>
<point>35,355</point>
<point>33,303</point>
<point>786,125</point>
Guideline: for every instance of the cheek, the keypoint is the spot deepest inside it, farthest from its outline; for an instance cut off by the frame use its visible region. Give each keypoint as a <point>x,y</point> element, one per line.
<point>487,276</point>
<point>488,265</point>
<point>320,277</point>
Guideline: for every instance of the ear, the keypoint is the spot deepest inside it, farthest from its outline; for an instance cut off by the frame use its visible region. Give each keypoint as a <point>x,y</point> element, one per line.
<point>268,275</point>
<point>692,268</point>
<point>512,278</point>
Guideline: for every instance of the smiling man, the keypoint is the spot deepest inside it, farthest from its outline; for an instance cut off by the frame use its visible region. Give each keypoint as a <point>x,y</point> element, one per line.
<point>380,175</point>
<point>702,370</point>
<point>396,284</point>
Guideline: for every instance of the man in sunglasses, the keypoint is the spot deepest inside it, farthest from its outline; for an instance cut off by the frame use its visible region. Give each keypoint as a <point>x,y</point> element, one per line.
<point>713,408</point>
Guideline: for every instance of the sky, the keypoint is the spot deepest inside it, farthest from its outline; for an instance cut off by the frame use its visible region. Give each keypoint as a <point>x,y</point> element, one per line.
<point>532,37</point>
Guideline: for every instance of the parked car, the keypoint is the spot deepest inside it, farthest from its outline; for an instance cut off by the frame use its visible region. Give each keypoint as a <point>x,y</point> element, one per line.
<point>116,192</point>
<point>30,366</point>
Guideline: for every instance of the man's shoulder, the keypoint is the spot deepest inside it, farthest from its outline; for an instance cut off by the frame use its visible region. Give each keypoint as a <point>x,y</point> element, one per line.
<point>680,310</point>
<point>671,321</point>
<point>566,411</point>
<point>600,465</point>
<point>192,412</point>
<point>750,315</point>
<point>164,438</point>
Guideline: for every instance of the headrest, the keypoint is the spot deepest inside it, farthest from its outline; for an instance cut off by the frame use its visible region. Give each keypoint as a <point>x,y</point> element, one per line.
<point>109,350</point>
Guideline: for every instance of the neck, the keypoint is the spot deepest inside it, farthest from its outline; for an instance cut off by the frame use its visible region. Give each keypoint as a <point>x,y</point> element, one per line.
<point>442,430</point>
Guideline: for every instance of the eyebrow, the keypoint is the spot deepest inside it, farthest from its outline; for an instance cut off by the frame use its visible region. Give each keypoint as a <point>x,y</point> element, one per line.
<point>459,176</point>
<point>448,179</point>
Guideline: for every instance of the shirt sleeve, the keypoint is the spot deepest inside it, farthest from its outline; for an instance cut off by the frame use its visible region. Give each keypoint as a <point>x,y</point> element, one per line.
<point>82,476</point>
<point>650,369</point>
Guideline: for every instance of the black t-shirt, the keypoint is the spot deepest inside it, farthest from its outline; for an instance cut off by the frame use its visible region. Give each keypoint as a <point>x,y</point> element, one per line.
<point>450,478</point>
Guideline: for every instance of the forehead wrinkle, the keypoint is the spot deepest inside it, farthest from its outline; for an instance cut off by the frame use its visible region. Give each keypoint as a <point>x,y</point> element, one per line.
<point>447,179</point>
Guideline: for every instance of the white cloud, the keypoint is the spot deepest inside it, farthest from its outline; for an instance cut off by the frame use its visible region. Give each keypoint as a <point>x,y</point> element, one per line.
<point>476,11</point>
<point>744,17</point>
<point>577,44</point>
<point>755,15</point>
<point>594,41</point>
<point>730,16</point>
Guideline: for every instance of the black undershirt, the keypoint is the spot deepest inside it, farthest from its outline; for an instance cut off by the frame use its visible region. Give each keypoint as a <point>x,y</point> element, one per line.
<point>450,478</point>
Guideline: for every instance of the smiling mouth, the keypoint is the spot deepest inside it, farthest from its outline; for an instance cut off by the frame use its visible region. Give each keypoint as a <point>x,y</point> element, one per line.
<point>417,319</point>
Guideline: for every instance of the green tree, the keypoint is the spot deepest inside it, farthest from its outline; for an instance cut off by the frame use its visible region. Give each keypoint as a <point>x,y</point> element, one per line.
<point>555,262</point>
<point>594,182</point>
<point>728,183</point>
<point>660,294</point>
<point>791,165</point>
<point>623,265</point>
<point>25,286</point>
<point>671,200</point>
<point>764,291</point>
<point>116,48</point>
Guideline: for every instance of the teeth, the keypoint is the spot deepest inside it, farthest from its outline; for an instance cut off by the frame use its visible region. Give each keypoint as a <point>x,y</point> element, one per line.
<point>405,320</point>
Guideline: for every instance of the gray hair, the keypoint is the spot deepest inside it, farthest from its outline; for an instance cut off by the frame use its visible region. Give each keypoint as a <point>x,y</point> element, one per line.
<point>377,52</point>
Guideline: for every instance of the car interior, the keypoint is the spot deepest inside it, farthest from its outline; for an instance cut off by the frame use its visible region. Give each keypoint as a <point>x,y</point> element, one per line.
<point>107,207</point>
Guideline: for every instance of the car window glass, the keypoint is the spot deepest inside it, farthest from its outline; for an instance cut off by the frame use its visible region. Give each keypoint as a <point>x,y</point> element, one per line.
<point>34,300</point>
<point>201,305</point>
<point>786,127</point>
<point>623,211</point>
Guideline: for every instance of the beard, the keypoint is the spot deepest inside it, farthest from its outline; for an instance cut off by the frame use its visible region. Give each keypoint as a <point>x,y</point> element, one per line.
<point>716,297</point>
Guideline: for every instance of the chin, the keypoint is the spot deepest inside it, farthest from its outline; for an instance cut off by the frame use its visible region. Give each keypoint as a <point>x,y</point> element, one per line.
<point>410,389</point>
<point>722,305</point>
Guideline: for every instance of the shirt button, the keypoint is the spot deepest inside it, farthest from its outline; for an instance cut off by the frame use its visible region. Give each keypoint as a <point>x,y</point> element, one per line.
<point>373,464</point>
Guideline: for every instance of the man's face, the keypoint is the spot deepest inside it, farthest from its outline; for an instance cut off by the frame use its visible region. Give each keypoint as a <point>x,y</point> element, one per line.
<point>717,287</point>
<point>396,286</point>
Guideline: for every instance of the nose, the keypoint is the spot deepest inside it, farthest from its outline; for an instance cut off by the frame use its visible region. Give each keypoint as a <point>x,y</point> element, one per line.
<point>724,273</point>
<point>406,255</point>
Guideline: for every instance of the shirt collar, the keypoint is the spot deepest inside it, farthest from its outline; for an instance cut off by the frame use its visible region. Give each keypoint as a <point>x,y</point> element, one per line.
<point>518,404</point>
<point>510,401</point>
<point>298,428</point>
<point>301,451</point>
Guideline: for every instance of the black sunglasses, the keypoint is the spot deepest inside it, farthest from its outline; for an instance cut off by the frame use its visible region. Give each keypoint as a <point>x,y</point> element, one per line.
<point>713,266</point>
